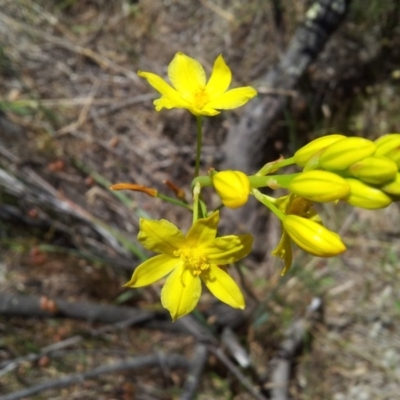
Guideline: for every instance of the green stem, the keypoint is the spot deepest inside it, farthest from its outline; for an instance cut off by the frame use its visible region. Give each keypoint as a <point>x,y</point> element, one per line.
<point>273,181</point>
<point>174,201</point>
<point>264,199</point>
<point>203,181</point>
<point>199,122</point>
<point>275,165</point>
<point>196,199</point>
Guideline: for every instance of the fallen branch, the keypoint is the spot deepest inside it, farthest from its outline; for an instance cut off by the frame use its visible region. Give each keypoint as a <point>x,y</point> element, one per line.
<point>10,365</point>
<point>246,145</point>
<point>194,375</point>
<point>175,361</point>
<point>290,348</point>
<point>236,372</point>
<point>33,306</point>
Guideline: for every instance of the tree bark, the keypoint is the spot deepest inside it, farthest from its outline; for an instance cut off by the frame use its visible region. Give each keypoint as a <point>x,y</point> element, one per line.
<point>246,147</point>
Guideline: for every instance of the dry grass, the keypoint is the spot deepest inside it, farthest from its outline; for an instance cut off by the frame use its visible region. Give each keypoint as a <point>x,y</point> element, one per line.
<point>70,90</point>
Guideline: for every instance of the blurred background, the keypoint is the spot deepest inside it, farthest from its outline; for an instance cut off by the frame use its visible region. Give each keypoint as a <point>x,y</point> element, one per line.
<point>75,118</point>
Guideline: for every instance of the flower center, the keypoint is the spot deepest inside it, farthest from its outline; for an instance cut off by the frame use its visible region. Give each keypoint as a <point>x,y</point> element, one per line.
<point>201,98</point>
<point>192,260</point>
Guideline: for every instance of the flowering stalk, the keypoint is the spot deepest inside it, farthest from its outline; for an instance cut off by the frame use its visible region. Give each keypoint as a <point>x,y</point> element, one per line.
<point>199,124</point>
<point>355,170</point>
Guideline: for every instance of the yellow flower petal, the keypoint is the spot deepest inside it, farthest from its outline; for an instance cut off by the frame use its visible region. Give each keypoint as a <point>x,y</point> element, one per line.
<point>186,74</point>
<point>160,236</point>
<point>223,287</point>
<point>232,98</point>
<point>152,270</point>
<point>284,251</point>
<point>181,292</point>
<point>203,231</point>
<point>205,110</point>
<point>166,102</point>
<point>165,89</point>
<point>228,249</point>
<point>220,78</point>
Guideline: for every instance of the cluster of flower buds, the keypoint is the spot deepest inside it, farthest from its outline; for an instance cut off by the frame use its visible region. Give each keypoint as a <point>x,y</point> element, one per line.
<point>358,171</point>
<point>355,170</point>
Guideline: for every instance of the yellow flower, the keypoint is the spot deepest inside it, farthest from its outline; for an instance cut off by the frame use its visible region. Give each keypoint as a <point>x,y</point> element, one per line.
<point>233,187</point>
<point>188,261</point>
<point>191,91</point>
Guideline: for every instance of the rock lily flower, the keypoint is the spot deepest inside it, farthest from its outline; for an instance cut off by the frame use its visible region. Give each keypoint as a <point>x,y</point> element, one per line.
<point>188,261</point>
<point>191,91</point>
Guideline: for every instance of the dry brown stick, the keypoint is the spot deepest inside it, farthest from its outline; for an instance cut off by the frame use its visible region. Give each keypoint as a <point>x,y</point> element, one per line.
<point>34,306</point>
<point>194,374</point>
<point>246,145</point>
<point>134,363</point>
<point>40,192</point>
<point>281,365</point>
<point>10,365</point>
<point>236,372</point>
<point>102,61</point>
<point>234,347</point>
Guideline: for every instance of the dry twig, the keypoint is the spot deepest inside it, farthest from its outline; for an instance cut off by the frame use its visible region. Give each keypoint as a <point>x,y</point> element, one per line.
<point>236,372</point>
<point>194,375</point>
<point>282,364</point>
<point>134,363</point>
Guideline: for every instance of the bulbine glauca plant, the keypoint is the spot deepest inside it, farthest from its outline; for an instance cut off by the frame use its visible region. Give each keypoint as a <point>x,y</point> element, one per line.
<point>333,168</point>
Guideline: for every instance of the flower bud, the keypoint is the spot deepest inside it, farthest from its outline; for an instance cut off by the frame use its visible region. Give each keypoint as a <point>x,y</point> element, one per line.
<point>394,155</point>
<point>313,237</point>
<point>343,153</point>
<point>375,170</point>
<point>387,143</point>
<point>319,186</point>
<point>233,187</point>
<point>393,187</point>
<point>302,155</point>
<point>364,196</point>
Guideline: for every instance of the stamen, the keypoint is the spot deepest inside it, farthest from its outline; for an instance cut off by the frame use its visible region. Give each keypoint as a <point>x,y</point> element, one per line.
<point>192,260</point>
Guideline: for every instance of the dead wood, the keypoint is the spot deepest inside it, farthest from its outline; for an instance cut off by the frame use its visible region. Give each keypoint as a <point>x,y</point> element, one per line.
<point>296,336</point>
<point>252,389</point>
<point>195,372</point>
<point>34,306</point>
<point>250,142</point>
<point>29,189</point>
<point>246,147</point>
<point>175,361</point>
